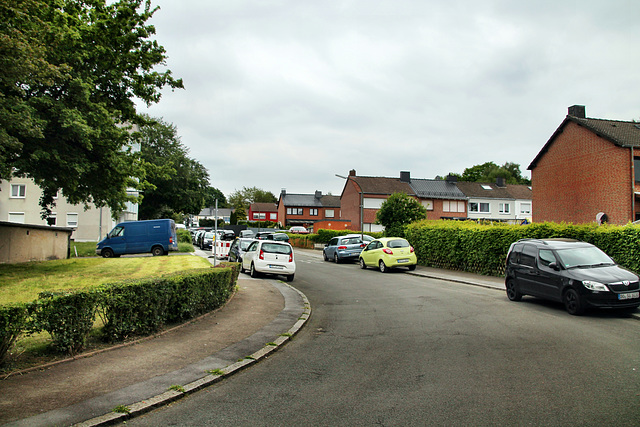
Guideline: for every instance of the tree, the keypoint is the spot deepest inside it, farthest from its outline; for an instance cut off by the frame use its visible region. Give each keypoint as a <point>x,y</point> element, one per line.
<point>397,211</point>
<point>176,183</point>
<point>69,73</point>
<point>489,171</point>
<point>212,195</point>
<point>242,199</point>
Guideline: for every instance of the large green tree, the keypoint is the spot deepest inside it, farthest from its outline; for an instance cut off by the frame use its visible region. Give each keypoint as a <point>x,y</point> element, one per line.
<point>176,183</point>
<point>489,171</point>
<point>70,71</point>
<point>397,211</point>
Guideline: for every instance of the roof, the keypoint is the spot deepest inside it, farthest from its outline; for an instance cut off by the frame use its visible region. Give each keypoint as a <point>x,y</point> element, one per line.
<point>520,191</point>
<point>382,185</point>
<point>436,189</point>
<point>481,190</point>
<point>263,207</point>
<point>310,200</point>
<point>212,212</point>
<point>620,133</point>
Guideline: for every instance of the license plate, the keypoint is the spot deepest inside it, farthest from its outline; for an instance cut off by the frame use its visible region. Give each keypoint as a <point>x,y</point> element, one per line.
<point>630,295</point>
<point>403,260</point>
<point>276,266</point>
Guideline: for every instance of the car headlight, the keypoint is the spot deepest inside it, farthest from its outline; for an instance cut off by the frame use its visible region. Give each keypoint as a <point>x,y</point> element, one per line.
<point>595,286</point>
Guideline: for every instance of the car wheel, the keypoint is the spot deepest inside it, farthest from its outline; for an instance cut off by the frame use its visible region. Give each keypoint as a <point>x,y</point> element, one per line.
<point>335,258</point>
<point>362,264</point>
<point>107,253</point>
<point>157,251</point>
<point>573,302</point>
<point>290,277</point>
<point>324,255</point>
<point>412,267</point>
<point>253,271</point>
<point>383,267</point>
<point>513,293</point>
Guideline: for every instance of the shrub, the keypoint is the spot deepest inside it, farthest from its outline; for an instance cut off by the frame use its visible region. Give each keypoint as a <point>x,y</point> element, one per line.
<point>324,235</point>
<point>184,236</point>
<point>12,324</point>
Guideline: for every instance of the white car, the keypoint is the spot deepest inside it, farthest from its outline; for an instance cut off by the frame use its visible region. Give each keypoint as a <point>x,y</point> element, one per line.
<point>269,257</point>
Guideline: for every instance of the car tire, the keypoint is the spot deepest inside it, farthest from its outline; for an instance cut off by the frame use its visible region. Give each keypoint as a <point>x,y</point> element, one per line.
<point>290,277</point>
<point>412,267</point>
<point>336,259</point>
<point>513,293</point>
<point>157,251</point>
<point>253,272</point>
<point>362,264</point>
<point>383,267</point>
<point>107,253</point>
<point>573,302</point>
<point>324,255</point>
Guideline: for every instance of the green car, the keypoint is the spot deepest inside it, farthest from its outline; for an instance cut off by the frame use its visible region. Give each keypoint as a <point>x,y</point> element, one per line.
<point>387,253</point>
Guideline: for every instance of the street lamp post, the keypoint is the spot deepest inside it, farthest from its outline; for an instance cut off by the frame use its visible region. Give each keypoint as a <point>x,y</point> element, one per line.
<point>348,178</point>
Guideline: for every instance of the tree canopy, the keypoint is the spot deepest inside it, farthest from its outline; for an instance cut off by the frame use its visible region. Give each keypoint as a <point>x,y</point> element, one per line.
<point>489,171</point>
<point>70,71</point>
<point>176,183</point>
<point>242,199</point>
<point>397,211</point>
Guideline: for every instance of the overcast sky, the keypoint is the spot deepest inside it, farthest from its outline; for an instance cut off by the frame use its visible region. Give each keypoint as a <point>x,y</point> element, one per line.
<point>286,94</point>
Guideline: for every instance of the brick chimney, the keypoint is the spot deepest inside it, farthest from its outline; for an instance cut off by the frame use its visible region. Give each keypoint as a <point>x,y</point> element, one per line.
<point>318,194</point>
<point>578,111</point>
<point>405,176</point>
<point>352,172</point>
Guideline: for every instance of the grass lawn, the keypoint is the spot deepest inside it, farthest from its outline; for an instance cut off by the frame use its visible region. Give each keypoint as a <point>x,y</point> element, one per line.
<point>23,282</point>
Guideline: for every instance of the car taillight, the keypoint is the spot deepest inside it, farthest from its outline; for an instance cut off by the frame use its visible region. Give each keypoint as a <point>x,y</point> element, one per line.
<point>387,251</point>
<point>261,256</point>
<point>362,245</point>
<point>291,257</point>
<point>342,248</point>
<point>171,240</point>
<point>412,250</point>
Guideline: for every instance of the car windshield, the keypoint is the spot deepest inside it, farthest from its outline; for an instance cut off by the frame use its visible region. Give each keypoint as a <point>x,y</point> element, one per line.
<point>583,257</point>
<point>276,249</point>
<point>208,235</point>
<point>351,241</point>
<point>398,243</point>
<point>245,245</point>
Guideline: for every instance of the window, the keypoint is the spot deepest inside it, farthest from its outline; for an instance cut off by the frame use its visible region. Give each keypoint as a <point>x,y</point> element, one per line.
<point>452,206</point>
<point>504,208</point>
<point>428,205</point>
<point>273,216</point>
<point>329,213</point>
<point>313,212</point>
<point>479,207</point>
<point>18,191</point>
<point>51,219</point>
<point>525,208</point>
<point>260,215</point>
<point>294,211</point>
<point>636,168</point>
<point>16,217</point>
<point>72,220</point>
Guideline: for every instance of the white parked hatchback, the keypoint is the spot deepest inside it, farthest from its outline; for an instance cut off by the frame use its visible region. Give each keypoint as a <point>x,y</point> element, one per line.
<point>269,257</point>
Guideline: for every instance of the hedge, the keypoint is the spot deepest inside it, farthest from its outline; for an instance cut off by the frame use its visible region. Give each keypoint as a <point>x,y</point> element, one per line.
<point>135,307</point>
<point>482,249</point>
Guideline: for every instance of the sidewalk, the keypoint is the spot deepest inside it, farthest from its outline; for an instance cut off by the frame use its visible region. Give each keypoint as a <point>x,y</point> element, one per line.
<point>140,376</point>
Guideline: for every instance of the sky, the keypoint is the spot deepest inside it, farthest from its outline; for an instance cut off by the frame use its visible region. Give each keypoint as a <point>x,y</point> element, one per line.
<point>286,94</point>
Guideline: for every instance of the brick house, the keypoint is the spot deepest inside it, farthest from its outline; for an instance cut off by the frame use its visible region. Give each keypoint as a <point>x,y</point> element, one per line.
<point>263,212</point>
<point>307,209</point>
<point>588,167</point>
<point>442,198</point>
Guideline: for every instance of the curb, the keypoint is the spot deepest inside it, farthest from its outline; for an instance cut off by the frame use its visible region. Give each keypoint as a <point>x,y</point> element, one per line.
<point>179,391</point>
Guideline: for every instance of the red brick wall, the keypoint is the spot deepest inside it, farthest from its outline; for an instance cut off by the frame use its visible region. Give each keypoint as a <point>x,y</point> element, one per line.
<point>581,175</point>
<point>350,204</point>
<point>438,211</point>
<point>336,224</point>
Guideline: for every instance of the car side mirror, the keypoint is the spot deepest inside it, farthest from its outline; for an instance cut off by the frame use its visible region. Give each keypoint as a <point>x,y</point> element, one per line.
<point>554,265</point>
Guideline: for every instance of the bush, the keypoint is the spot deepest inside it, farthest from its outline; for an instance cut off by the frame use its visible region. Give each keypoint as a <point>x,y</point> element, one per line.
<point>482,249</point>
<point>324,235</point>
<point>13,320</point>
<point>184,236</point>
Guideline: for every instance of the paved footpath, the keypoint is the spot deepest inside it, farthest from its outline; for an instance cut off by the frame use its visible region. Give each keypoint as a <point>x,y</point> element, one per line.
<point>86,390</point>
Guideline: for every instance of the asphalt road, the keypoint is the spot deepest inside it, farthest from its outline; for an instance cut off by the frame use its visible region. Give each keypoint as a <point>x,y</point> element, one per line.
<point>395,349</point>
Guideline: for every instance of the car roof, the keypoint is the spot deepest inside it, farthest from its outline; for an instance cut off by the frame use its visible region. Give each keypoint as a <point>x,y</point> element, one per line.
<point>556,243</point>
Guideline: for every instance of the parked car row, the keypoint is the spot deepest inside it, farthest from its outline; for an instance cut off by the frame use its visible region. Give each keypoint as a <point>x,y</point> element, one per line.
<point>384,253</point>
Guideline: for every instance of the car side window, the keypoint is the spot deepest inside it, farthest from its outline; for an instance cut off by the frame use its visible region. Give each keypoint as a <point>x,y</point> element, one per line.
<point>546,257</point>
<point>528,256</point>
<point>333,242</point>
<point>514,256</point>
<point>252,247</point>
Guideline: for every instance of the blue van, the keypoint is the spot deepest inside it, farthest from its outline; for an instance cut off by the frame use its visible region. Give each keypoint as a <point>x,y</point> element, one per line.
<point>157,236</point>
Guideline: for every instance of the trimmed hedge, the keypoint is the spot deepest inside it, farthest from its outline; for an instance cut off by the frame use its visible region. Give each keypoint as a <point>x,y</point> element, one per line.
<point>325,235</point>
<point>482,249</point>
<point>135,307</point>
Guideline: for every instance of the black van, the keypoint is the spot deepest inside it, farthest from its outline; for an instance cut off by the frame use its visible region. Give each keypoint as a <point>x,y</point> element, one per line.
<point>575,273</point>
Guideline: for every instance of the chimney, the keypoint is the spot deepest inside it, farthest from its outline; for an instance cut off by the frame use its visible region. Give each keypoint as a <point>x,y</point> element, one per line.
<point>352,172</point>
<point>451,179</point>
<point>283,192</point>
<point>405,176</point>
<point>500,182</point>
<point>318,194</point>
<point>578,111</point>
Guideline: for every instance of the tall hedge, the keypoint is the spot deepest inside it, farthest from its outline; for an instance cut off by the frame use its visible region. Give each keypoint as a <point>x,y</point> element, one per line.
<point>482,249</point>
